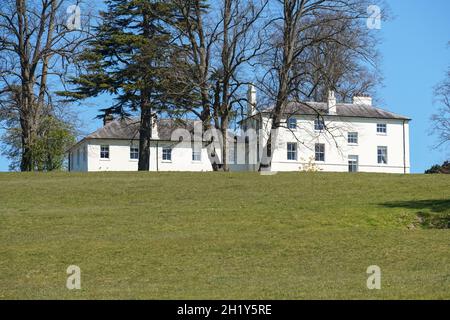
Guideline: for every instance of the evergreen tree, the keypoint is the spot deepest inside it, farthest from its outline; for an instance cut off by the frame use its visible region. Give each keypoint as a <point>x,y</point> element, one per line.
<point>131,58</point>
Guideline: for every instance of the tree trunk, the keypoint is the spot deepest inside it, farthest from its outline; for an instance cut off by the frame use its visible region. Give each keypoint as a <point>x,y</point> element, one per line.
<point>145,128</point>
<point>145,136</point>
<point>225,151</point>
<point>26,163</point>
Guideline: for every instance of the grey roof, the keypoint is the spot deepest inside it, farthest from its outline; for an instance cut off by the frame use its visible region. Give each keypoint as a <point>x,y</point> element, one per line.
<point>342,109</point>
<point>128,129</point>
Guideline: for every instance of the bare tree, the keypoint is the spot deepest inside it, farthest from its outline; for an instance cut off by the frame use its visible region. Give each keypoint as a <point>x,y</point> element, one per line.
<point>297,22</point>
<point>221,41</point>
<point>441,120</point>
<point>240,44</point>
<point>343,60</point>
<point>198,40</point>
<point>37,41</point>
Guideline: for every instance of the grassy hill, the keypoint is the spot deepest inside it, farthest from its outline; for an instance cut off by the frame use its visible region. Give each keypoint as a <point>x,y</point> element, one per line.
<point>231,236</point>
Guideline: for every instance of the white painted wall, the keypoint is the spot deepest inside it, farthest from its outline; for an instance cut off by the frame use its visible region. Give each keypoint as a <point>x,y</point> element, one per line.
<point>336,156</point>
<point>119,157</point>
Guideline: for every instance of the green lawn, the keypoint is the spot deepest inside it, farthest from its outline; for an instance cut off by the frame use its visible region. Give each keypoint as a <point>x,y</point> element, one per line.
<point>224,236</point>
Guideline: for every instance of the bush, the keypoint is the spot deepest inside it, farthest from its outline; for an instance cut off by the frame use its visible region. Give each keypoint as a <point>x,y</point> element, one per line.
<point>436,169</point>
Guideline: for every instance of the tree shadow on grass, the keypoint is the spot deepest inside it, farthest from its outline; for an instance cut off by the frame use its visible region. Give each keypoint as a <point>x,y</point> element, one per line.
<point>432,214</point>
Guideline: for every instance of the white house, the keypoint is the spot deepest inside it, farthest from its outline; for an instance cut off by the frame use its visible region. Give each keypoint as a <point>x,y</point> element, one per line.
<point>335,137</point>
<point>314,136</point>
<point>115,147</point>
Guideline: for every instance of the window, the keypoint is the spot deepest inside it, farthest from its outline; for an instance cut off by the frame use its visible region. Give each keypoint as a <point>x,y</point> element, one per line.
<point>85,152</point>
<point>104,152</point>
<point>320,152</point>
<point>353,163</point>
<point>134,153</point>
<point>381,128</point>
<point>292,151</point>
<point>167,154</point>
<point>353,137</point>
<point>319,124</point>
<point>382,155</point>
<point>196,154</point>
<point>232,152</point>
<point>292,123</point>
<point>78,157</point>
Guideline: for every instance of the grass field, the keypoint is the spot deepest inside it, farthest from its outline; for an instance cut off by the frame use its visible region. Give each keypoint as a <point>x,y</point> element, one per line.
<point>224,236</point>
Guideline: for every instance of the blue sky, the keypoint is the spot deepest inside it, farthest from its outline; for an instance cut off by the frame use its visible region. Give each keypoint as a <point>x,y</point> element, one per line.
<point>415,56</point>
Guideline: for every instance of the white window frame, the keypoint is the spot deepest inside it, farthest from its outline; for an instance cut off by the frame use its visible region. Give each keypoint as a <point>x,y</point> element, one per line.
<point>292,151</point>
<point>320,152</point>
<point>380,155</point>
<point>292,123</point>
<point>105,154</point>
<point>134,151</point>
<point>353,161</point>
<point>196,155</point>
<point>382,128</point>
<point>319,124</point>
<point>167,154</point>
<point>353,138</point>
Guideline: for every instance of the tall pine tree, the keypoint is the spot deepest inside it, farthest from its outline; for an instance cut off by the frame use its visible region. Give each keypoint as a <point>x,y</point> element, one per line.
<point>130,58</point>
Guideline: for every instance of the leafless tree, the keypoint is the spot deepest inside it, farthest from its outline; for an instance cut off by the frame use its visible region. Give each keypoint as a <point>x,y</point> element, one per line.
<point>344,59</point>
<point>240,43</point>
<point>38,39</point>
<point>221,38</point>
<point>441,120</point>
<point>305,26</point>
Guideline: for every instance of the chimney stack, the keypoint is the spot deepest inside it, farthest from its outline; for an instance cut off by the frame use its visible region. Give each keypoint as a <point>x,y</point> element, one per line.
<point>362,100</point>
<point>331,102</point>
<point>251,100</point>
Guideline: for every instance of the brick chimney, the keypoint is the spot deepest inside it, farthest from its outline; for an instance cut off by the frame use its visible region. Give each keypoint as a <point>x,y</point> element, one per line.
<point>331,102</point>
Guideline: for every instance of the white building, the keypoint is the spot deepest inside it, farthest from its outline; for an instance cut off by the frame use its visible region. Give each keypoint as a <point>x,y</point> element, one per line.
<point>115,147</point>
<point>314,136</point>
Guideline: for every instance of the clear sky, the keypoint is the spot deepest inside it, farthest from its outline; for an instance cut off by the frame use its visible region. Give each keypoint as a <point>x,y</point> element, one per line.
<point>415,56</point>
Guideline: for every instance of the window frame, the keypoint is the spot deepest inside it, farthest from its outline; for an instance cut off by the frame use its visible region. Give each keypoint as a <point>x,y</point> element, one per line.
<point>292,123</point>
<point>319,124</point>
<point>166,151</point>
<point>382,128</point>
<point>380,156</point>
<point>353,138</point>
<point>319,155</point>
<point>134,152</point>
<point>196,155</point>
<point>352,159</point>
<point>292,151</point>
<point>105,155</point>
